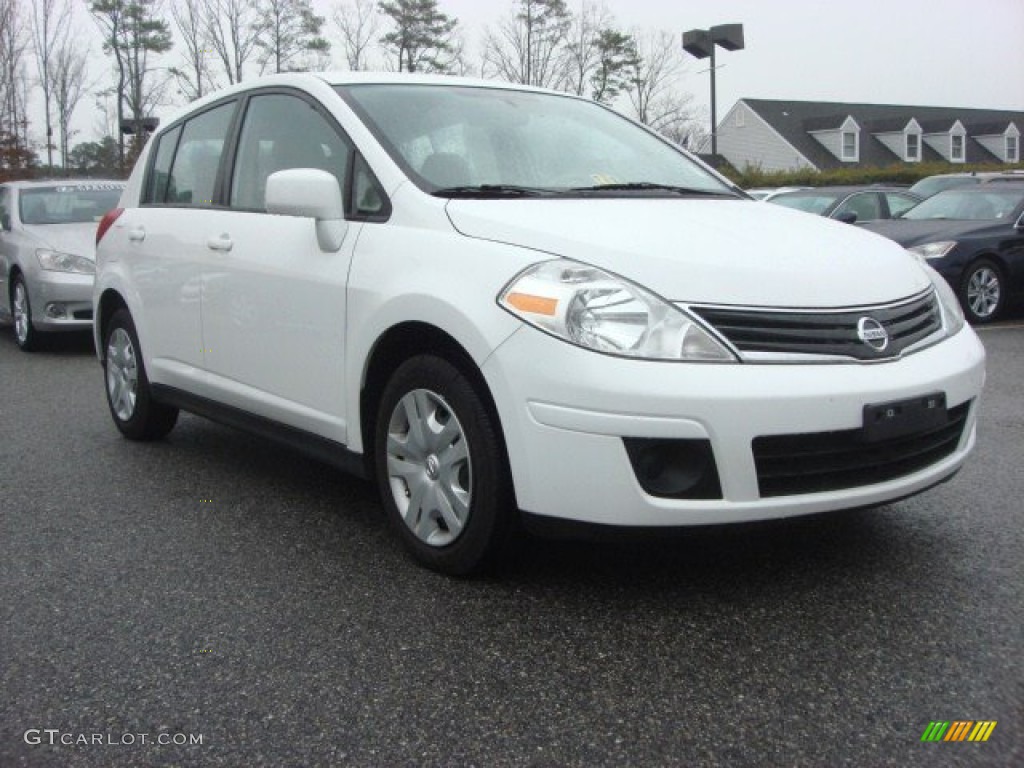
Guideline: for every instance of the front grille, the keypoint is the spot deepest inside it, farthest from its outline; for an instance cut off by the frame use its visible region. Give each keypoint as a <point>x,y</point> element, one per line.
<point>824,332</point>
<point>829,461</point>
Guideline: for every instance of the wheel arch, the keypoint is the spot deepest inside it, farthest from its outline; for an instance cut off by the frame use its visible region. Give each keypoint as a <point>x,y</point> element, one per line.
<point>109,302</point>
<point>396,345</point>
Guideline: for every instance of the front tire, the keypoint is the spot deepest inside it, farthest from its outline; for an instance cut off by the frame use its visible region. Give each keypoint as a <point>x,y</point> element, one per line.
<point>131,403</point>
<point>25,332</point>
<point>441,468</point>
<point>983,293</point>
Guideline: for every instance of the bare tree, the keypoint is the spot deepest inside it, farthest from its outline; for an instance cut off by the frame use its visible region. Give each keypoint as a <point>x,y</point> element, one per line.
<point>194,78</point>
<point>14,42</point>
<point>358,23</point>
<point>50,22</point>
<point>580,50</point>
<point>421,36</point>
<point>69,73</point>
<point>653,81</point>
<point>233,27</point>
<point>527,47</point>
<point>290,30</point>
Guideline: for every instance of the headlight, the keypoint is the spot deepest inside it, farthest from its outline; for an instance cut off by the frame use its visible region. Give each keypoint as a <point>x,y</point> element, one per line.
<point>934,250</point>
<point>55,261</point>
<point>596,310</point>
<point>952,313</point>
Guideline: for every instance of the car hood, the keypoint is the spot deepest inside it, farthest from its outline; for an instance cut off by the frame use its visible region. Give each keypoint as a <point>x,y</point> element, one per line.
<point>78,238</point>
<point>705,251</point>
<point>910,232</point>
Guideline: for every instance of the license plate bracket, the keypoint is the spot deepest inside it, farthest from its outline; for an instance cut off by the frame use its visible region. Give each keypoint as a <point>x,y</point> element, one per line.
<point>885,421</point>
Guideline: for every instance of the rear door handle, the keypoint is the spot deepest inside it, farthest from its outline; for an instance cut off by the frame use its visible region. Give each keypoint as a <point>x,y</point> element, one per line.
<point>137,235</point>
<point>221,243</point>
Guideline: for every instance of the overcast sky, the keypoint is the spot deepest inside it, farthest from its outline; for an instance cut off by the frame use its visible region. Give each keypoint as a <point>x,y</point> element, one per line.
<point>956,53</point>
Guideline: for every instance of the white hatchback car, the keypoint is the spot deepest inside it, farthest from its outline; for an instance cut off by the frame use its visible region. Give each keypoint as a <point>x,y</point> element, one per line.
<point>47,251</point>
<point>497,300</point>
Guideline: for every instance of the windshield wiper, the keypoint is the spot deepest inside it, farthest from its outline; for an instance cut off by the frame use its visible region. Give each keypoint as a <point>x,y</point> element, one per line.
<point>491,190</point>
<point>643,186</point>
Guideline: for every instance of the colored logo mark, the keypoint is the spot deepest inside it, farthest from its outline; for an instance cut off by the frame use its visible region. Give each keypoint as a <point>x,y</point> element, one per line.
<point>958,730</point>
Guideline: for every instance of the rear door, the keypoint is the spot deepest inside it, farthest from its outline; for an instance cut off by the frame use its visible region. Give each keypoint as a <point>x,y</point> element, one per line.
<point>167,244</point>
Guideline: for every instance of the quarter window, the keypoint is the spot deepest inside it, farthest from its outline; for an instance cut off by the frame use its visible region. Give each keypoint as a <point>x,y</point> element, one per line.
<point>157,190</point>
<point>282,132</point>
<point>194,171</point>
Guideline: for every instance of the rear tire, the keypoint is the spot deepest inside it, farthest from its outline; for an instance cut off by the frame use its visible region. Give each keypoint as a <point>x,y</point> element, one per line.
<point>129,398</point>
<point>441,468</point>
<point>983,292</point>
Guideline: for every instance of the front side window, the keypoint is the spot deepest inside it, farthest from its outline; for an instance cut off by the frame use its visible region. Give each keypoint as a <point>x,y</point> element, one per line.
<point>281,132</point>
<point>865,205</point>
<point>5,208</point>
<point>194,171</point>
<point>913,147</point>
<point>1012,149</point>
<point>67,204</point>
<point>449,138</point>
<point>956,152</point>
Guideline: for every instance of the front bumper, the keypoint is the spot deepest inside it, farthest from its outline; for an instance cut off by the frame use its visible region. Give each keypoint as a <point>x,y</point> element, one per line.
<point>61,301</point>
<point>565,410</point>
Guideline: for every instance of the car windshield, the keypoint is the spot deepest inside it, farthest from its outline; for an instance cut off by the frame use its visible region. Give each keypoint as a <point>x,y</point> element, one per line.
<point>68,204</point>
<point>461,140</point>
<point>810,201</point>
<point>968,203</point>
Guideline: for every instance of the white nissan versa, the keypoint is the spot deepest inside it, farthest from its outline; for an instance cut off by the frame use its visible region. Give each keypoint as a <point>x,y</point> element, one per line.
<point>498,300</point>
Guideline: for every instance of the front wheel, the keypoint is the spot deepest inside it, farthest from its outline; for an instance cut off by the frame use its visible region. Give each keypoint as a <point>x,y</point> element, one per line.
<point>441,468</point>
<point>983,291</point>
<point>132,407</point>
<point>25,332</point>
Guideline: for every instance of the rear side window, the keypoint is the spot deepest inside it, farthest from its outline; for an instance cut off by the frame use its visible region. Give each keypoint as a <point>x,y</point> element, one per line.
<point>281,132</point>
<point>159,176</point>
<point>193,173</point>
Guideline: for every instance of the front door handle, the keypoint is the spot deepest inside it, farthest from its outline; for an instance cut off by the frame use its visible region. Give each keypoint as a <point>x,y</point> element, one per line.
<point>221,243</point>
<point>137,235</point>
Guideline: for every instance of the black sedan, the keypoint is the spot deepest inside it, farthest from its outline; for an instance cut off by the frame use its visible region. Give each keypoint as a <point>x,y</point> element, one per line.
<point>974,237</point>
<point>849,204</point>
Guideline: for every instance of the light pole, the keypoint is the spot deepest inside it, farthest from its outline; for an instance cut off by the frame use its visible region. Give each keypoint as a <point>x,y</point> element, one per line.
<point>701,44</point>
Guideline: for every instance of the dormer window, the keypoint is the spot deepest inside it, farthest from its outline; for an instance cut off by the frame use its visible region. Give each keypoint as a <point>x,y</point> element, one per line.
<point>956,148</point>
<point>850,145</point>
<point>913,148</point>
<point>1012,149</point>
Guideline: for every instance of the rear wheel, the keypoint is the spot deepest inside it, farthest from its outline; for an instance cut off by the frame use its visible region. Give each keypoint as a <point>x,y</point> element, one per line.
<point>441,468</point>
<point>132,407</point>
<point>983,291</point>
<point>24,332</point>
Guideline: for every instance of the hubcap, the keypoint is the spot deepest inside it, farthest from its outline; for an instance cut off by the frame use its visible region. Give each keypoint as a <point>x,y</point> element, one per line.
<point>122,374</point>
<point>429,469</point>
<point>21,313</point>
<point>983,292</point>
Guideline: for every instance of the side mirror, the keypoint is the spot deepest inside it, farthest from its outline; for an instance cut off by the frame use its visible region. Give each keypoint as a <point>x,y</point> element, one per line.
<point>847,218</point>
<point>314,194</point>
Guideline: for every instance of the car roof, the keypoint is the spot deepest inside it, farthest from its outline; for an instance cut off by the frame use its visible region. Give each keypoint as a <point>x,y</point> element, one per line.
<point>845,189</point>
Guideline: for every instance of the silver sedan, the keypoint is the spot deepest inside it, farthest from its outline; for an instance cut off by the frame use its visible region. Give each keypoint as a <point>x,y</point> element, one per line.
<point>47,253</point>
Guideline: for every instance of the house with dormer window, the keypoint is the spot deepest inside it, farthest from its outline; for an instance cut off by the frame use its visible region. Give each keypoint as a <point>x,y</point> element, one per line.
<point>780,135</point>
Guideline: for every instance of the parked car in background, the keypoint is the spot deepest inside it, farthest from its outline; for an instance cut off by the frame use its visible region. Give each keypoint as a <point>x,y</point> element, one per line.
<point>496,300</point>
<point>930,185</point>
<point>974,237</point>
<point>850,204</point>
<point>47,253</point>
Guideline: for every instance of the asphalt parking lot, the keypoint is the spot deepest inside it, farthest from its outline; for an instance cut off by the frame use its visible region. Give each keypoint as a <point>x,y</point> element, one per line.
<point>216,586</point>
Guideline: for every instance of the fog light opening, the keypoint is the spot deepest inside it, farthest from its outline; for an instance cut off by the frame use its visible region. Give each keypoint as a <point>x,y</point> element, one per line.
<point>56,311</point>
<point>680,469</point>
